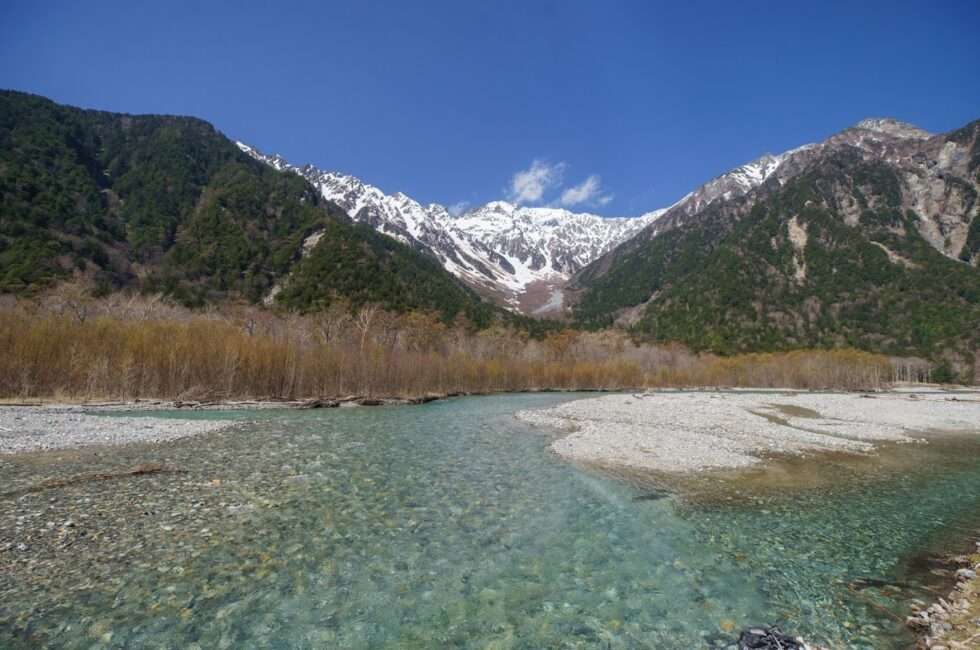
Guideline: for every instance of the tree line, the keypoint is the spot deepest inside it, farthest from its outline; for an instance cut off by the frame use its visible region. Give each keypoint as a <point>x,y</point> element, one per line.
<point>125,346</point>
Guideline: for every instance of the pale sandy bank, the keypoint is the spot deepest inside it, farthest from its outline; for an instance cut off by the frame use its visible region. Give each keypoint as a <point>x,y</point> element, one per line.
<point>691,431</point>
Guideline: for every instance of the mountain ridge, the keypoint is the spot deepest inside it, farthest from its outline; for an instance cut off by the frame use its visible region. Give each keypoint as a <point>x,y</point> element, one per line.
<point>520,256</point>
<point>870,238</point>
<point>876,135</point>
<point>167,204</point>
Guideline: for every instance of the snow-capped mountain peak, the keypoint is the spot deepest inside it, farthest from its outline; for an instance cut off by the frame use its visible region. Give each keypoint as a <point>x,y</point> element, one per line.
<point>520,256</point>
<point>754,173</point>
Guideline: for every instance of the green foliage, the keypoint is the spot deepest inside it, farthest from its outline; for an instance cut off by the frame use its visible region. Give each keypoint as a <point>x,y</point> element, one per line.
<point>639,273</point>
<point>732,285</point>
<point>362,266</point>
<point>80,187</point>
<point>247,228</point>
<point>110,194</point>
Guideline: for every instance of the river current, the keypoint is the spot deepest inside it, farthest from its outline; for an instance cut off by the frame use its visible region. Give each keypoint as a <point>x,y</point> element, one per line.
<point>452,525</point>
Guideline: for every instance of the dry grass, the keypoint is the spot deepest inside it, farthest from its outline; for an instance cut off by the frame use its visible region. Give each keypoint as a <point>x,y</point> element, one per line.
<point>126,350</point>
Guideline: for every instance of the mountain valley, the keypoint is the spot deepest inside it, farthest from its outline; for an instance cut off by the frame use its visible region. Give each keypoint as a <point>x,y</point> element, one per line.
<point>518,256</point>
<point>868,239</point>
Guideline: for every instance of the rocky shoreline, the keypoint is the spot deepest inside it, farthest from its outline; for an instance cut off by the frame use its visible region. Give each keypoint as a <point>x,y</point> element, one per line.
<point>42,425</point>
<point>30,429</point>
<point>953,621</point>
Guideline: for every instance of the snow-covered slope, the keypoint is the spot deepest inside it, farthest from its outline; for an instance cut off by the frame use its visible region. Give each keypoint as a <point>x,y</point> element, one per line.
<point>520,256</point>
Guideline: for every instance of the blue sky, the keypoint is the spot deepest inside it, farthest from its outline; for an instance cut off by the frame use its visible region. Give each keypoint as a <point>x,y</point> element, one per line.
<point>615,107</point>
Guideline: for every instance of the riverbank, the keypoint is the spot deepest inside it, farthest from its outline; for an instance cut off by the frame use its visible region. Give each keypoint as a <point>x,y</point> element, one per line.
<point>953,621</point>
<point>669,430</point>
<point>47,426</point>
<point>28,429</point>
<point>725,433</point>
<point>682,432</point>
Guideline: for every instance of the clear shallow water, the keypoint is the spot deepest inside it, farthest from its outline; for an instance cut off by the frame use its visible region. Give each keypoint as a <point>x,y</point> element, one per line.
<point>450,525</point>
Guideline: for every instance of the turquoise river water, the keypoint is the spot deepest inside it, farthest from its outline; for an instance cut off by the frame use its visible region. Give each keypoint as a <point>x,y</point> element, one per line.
<point>450,525</point>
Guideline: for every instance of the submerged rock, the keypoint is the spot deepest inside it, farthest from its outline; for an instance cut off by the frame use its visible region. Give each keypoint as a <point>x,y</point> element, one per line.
<point>770,638</point>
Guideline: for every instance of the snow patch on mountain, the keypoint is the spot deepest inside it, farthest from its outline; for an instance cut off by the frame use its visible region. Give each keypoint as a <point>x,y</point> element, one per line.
<point>520,256</point>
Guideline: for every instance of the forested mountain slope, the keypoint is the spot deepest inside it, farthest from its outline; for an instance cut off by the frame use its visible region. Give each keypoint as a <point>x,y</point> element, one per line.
<point>871,240</point>
<point>165,203</point>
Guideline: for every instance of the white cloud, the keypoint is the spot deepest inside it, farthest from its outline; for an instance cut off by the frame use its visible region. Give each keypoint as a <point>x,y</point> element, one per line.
<point>588,191</point>
<point>529,186</point>
<point>458,208</point>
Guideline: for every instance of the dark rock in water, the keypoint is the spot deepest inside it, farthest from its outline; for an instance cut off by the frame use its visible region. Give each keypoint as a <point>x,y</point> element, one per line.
<point>581,630</point>
<point>370,401</point>
<point>768,638</point>
<point>425,399</point>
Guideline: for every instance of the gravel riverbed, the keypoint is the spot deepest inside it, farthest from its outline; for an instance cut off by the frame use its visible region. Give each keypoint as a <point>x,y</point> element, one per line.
<point>176,529</point>
<point>39,428</point>
<point>692,431</point>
